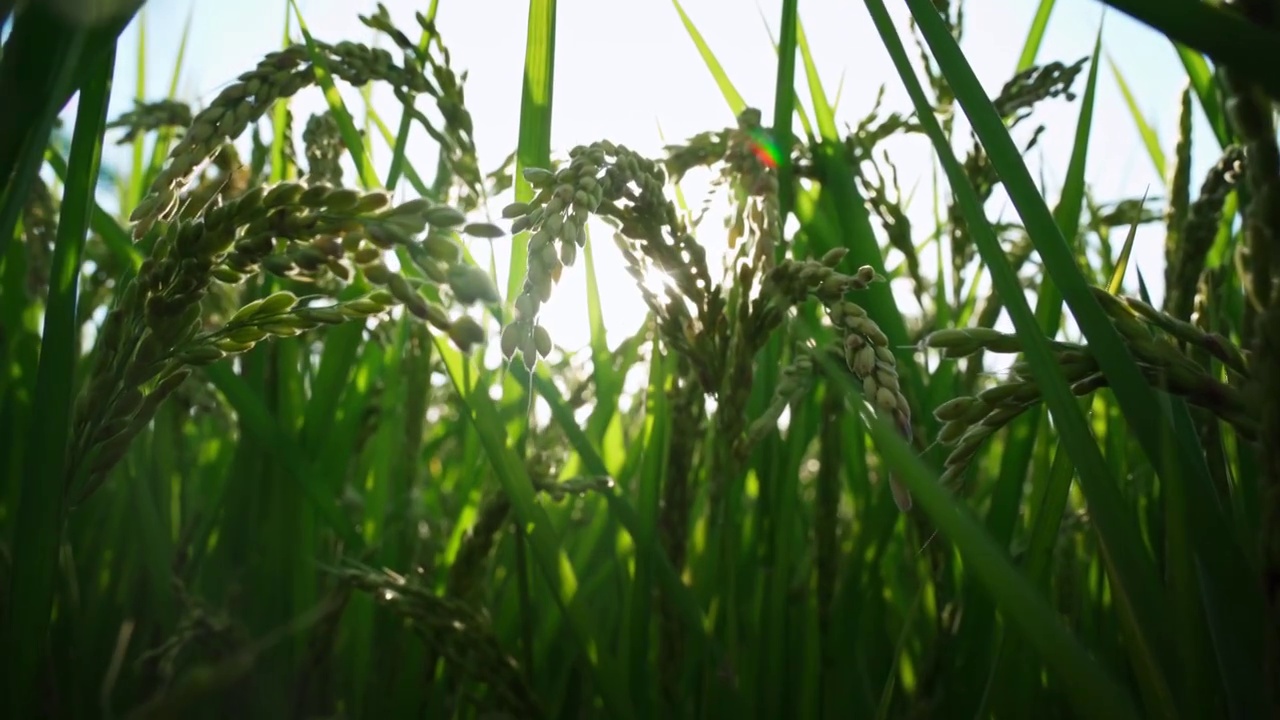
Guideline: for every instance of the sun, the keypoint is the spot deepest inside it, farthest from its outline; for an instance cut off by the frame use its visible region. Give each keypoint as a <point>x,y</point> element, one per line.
<point>622,308</point>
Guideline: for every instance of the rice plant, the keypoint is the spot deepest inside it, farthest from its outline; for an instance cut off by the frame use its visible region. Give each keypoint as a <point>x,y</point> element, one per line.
<point>277,443</point>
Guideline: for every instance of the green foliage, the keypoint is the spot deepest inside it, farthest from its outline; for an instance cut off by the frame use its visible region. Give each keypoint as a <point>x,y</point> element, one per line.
<point>268,440</point>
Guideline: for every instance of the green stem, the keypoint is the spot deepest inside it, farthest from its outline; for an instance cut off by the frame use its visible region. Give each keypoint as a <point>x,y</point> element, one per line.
<point>42,508</point>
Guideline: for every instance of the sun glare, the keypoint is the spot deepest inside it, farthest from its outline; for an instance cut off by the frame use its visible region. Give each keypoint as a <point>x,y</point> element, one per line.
<point>621,298</point>
<point>669,105</point>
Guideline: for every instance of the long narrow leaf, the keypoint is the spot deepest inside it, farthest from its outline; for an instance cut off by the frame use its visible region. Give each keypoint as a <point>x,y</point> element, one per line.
<point>42,508</point>
<point>1093,694</point>
<point>1134,573</point>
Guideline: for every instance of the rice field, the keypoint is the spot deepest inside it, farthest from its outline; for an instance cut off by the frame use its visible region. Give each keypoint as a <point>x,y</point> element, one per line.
<point>294,424</point>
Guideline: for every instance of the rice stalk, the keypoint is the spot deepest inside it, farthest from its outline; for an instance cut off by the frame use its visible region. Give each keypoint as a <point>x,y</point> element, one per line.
<point>1157,341</point>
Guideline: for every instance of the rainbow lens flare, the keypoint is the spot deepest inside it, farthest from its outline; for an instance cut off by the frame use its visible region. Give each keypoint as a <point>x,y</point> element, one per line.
<point>764,147</point>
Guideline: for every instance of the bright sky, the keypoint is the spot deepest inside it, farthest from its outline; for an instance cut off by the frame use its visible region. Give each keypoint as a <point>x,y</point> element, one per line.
<point>626,70</point>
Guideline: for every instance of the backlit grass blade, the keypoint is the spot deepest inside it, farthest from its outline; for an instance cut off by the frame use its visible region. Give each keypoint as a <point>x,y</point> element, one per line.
<point>1148,134</point>
<point>1066,214</point>
<point>401,140</point>
<point>534,146</point>
<point>282,167</point>
<point>337,108</point>
<point>342,344</point>
<point>730,93</point>
<point>160,150</point>
<point>42,506</point>
<point>405,168</point>
<point>1207,89</point>
<point>1035,36</point>
<point>734,99</point>
<point>1136,581</point>
<point>1122,262</point>
<point>136,171</point>
<point>799,106</point>
<point>533,149</point>
<point>608,381</point>
<point>854,230</point>
<point>784,102</point>
<point>1021,441</point>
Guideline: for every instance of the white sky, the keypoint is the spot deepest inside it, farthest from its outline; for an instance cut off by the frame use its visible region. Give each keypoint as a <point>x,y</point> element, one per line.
<point>625,68</point>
